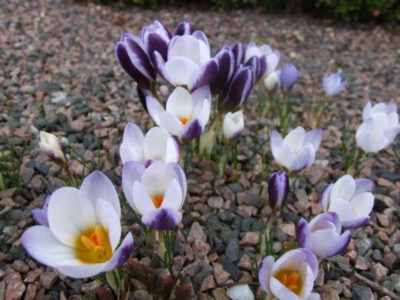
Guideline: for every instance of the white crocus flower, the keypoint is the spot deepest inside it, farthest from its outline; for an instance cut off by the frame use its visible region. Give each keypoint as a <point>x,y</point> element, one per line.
<point>50,145</point>
<point>232,125</point>
<point>186,113</point>
<point>291,277</point>
<point>83,230</point>
<point>379,128</point>
<point>272,81</point>
<point>272,56</point>
<point>297,150</point>
<point>351,199</point>
<point>158,144</point>
<point>156,193</point>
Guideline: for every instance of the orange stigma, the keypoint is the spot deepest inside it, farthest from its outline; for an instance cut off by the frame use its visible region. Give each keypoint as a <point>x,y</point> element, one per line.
<point>157,200</point>
<point>290,279</point>
<point>185,120</point>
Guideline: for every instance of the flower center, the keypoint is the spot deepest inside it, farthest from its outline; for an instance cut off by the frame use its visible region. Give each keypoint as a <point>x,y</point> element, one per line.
<point>157,200</point>
<point>93,246</point>
<point>185,120</point>
<point>290,279</point>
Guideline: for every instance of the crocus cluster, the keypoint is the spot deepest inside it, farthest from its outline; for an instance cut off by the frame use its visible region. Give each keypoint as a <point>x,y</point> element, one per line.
<point>379,128</point>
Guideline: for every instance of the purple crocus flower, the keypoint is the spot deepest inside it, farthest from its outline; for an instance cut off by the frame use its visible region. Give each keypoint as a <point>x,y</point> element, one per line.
<point>238,89</point>
<point>226,63</point>
<point>83,230</point>
<point>289,76</point>
<point>324,227</point>
<point>155,37</point>
<point>278,189</point>
<point>156,193</point>
<point>333,84</point>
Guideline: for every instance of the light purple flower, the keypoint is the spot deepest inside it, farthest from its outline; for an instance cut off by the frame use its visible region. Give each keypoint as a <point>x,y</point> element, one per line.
<point>351,199</point>
<point>333,84</point>
<point>156,193</point>
<point>278,189</point>
<point>288,77</point>
<point>268,59</point>
<point>83,230</point>
<point>158,144</point>
<point>297,150</point>
<point>188,63</point>
<point>324,227</point>
<point>291,277</point>
<point>186,113</point>
<point>232,125</point>
<point>379,128</point>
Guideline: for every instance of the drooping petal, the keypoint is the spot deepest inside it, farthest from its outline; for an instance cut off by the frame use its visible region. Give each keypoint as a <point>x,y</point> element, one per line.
<point>70,213</point>
<point>132,171</point>
<point>162,218</point>
<point>121,255</point>
<point>264,272</point>
<point>203,75</point>
<point>43,246</point>
<point>97,186</point>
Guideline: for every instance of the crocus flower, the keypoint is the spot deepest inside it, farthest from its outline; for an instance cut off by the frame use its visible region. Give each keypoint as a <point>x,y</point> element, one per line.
<point>297,150</point>
<point>226,63</point>
<point>278,189</point>
<point>288,77</point>
<point>324,227</point>
<point>266,53</point>
<point>237,91</point>
<point>379,128</point>
<point>333,84</point>
<point>272,81</point>
<point>291,277</point>
<point>83,230</point>
<point>134,59</point>
<point>232,125</point>
<point>185,115</point>
<point>351,199</point>
<point>158,144</point>
<point>240,292</point>
<point>155,37</point>
<point>156,193</point>
<point>188,63</point>
<point>51,145</point>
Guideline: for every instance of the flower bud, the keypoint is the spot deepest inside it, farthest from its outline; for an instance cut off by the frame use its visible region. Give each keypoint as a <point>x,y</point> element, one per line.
<point>333,84</point>
<point>232,125</point>
<point>272,81</point>
<point>289,76</point>
<point>50,144</point>
<point>278,189</point>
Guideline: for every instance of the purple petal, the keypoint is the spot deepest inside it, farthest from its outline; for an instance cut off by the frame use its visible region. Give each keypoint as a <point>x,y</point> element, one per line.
<point>204,75</point>
<point>264,272</point>
<point>183,28</point>
<point>340,244</point>
<point>289,75</point>
<point>193,129</point>
<point>226,62</point>
<point>40,214</point>
<point>143,93</point>
<point>201,36</point>
<point>157,43</point>
<point>122,254</point>
<point>162,218</point>
<point>278,189</point>
<point>238,53</point>
<point>357,223</point>
<point>262,67</point>
<point>253,64</point>
<point>124,60</point>
<point>363,185</point>
<point>159,64</point>
<point>302,232</point>
<point>305,159</point>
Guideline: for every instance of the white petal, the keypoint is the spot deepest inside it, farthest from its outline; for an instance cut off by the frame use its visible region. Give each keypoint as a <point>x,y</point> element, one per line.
<point>362,204</point>
<point>241,291</point>
<point>343,208</point>
<point>179,70</point>
<point>180,103</point>
<point>264,274</point>
<point>108,219</point>
<point>295,139</point>
<point>70,213</point>
<point>173,196</point>
<point>132,144</point>
<point>131,172</point>
<point>171,123</point>
<point>121,254</point>
<point>155,143</point>
<point>344,188</point>
<point>282,292</point>
<point>284,155</point>
<point>155,109</point>
<point>44,247</point>
<point>77,269</point>
<point>157,178</point>
<point>275,141</point>
<point>141,199</point>
<point>319,248</point>
<point>97,186</point>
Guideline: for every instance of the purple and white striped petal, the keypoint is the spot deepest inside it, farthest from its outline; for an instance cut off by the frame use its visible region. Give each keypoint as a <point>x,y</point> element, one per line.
<point>156,43</point>
<point>203,75</point>
<point>226,62</point>
<point>192,130</point>
<point>155,109</point>
<point>278,189</point>
<point>340,244</point>
<point>121,255</point>
<point>302,232</point>
<point>183,28</point>
<point>162,218</point>
<point>265,273</point>
<point>356,223</point>
<point>238,52</point>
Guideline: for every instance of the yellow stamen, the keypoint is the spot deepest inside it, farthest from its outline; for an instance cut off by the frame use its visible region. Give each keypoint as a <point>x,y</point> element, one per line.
<point>157,200</point>
<point>185,120</point>
<point>291,279</point>
<point>93,246</point>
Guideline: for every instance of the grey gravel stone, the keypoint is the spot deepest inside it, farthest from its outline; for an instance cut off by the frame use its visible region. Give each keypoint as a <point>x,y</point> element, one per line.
<point>232,250</point>
<point>361,292</point>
